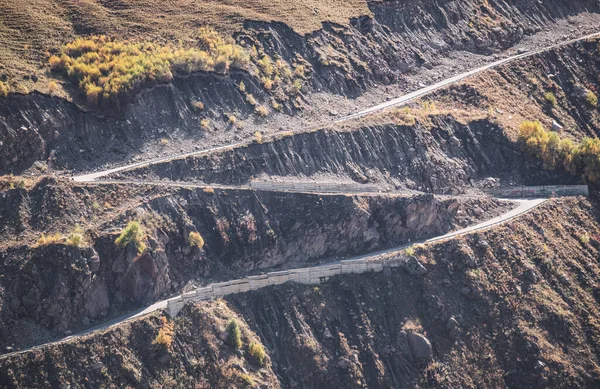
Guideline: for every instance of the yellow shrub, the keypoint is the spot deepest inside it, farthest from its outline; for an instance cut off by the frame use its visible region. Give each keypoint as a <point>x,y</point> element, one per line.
<point>266,66</point>
<point>4,89</point>
<point>107,69</point>
<point>165,334</point>
<point>50,239</point>
<point>262,111</point>
<point>195,239</point>
<point>205,123</point>
<point>199,105</point>
<point>52,87</point>
<point>561,153</point>
<point>591,99</point>
<point>258,137</point>
<point>257,353</point>
<point>232,119</point>
<point>267,83</point>
<point>76,238</point>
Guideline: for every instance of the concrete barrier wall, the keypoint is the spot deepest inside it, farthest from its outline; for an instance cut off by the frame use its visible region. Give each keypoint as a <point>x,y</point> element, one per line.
<point>541,191</point>
<point>308,276</point>
<point>314,187</point>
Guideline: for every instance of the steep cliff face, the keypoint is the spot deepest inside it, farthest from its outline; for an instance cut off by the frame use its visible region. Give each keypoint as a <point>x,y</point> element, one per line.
<point>513,307</point>
<point>244,231</point>
<point>437,153</point>
<point>402,37</point>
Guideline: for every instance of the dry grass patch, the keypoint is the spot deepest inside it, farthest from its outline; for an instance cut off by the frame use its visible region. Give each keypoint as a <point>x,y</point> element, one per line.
<point>107,70</point>
<point>31,28</point>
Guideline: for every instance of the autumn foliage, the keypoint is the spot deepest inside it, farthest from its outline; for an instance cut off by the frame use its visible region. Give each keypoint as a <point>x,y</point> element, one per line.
<point>559,153</point>
<point>107,70</point>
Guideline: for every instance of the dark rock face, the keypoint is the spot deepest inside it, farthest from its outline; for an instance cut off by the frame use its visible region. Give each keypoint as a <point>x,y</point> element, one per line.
<point>414,157</point>
<point>56,286</point>
<point>147,277</point>
<point>414,267</point>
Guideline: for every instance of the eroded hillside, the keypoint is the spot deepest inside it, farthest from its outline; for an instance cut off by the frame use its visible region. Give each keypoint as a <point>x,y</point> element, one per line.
<point>384,44</point>
<point>515,306</point>
<point>219,159</point>
<point>52,283</point>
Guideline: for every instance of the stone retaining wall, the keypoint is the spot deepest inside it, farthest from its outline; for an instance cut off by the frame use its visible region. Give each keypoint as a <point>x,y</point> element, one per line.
<point>309,276</point>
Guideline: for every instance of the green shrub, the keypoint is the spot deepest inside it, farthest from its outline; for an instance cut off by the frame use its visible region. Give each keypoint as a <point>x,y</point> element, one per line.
<point>234,334</point>
<point>584,238</point>
<point>132,234</point>
<point>195,239</point>
<point>257,353</point>
<point>550,98</point>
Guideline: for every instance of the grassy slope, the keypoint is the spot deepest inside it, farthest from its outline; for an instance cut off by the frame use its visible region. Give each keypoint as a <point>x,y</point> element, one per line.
<point>29,28</point>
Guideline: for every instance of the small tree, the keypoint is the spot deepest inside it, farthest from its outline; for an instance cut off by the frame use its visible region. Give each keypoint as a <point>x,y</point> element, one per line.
<point>234,335</point>
<point>165,334</point>
<point>257,353</point>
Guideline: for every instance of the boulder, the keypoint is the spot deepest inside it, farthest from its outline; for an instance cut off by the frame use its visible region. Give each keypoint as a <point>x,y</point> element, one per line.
<point>415,268</point>
<point>420,346</point>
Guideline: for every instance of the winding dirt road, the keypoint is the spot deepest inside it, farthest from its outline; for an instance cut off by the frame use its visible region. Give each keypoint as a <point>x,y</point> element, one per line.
<point>523,207</point>
<point>399,101</point>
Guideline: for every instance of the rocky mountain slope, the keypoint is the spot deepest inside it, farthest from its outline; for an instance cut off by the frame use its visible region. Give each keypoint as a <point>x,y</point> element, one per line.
<point>392,40</point>
<point>50,287</point>
<point>515,306</point>
<point>95,84</point>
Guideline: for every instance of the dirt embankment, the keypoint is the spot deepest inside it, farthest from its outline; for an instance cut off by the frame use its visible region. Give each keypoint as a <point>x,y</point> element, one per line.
<point>400,38</point>
<point>49,289</point>
<point>513,307</point>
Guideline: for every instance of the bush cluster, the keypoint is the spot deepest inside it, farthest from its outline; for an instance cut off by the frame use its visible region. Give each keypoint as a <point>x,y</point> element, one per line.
<point>76,238</point>
<point>557,153</point>
<point>107,70</point>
